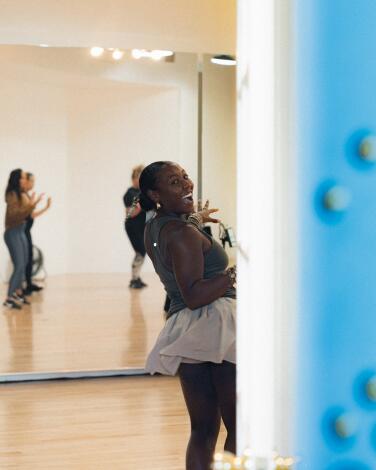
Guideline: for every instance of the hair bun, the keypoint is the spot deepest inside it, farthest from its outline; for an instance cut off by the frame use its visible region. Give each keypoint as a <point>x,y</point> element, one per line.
<point>146,203</point>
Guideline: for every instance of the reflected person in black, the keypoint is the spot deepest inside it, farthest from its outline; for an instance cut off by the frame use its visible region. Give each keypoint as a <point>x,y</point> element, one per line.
<point>134,227</point>
<point>30,287</point>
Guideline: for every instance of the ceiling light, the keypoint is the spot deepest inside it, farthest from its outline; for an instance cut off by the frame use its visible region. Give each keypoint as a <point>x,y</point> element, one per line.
<point>96,51</point>
<point>137,53</point>
<point>117,54</point>
<point>159,54</point>
<point>155,54</point>
<point>43,45</point>
<point>223,60</point>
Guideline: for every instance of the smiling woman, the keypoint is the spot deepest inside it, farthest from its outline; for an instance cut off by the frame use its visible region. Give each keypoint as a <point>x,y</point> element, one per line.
<point>198,339</point>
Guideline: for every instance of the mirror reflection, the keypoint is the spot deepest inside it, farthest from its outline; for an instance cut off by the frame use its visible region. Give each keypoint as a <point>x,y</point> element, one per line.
<point>77,126</point>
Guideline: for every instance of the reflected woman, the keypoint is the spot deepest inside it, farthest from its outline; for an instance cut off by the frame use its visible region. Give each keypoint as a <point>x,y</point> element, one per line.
<point>198,339</point>
<point>134,227</point>
<point>19,207</point>
<point>30,286</point>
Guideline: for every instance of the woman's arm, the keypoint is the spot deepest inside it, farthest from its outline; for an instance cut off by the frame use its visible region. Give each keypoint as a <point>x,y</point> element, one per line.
<point>185,245</point>
<point>132,211</point>
<point>36,214</point>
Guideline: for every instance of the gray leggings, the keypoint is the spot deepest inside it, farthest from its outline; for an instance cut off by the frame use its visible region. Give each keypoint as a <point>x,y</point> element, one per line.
<point>16,242</point>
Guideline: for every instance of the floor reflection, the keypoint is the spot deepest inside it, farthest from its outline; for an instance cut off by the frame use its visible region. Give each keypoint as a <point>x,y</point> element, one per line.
<point>20,335</point>
<point>82,322</point>
<point>136,330</point>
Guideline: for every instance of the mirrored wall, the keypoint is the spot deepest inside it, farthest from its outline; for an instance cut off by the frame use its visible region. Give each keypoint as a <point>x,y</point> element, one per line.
<point>80,124</point>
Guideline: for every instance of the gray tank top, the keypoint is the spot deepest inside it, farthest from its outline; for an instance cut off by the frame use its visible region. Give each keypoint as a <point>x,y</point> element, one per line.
<point>215,262</point>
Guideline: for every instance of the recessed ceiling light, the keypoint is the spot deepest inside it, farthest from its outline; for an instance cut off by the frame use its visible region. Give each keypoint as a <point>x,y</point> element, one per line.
<point>43,45</point>
<point>117,54</point>
<point>96,51</point>
<point>223,60</point>
<point>155,54</point>
<point>159,54</point>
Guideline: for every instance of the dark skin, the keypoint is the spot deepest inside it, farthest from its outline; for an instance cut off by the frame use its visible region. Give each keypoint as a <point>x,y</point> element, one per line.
<point>182,245</point>
<point>209,389</point>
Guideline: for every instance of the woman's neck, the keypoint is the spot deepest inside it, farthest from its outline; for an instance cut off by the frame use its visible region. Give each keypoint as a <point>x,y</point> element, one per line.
<point>163,213</point>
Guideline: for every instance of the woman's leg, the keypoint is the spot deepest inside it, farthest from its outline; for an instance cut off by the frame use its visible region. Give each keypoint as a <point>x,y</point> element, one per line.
<point>201,400</point>
<point>137,263</point>
<point>29,265</point>
<point>26,253</point>
<point>136,237</point>
<point>224,379</point>
<point>15,246</point>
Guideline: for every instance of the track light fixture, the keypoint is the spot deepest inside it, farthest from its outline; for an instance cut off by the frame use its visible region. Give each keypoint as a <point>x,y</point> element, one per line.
<point>223,59</point>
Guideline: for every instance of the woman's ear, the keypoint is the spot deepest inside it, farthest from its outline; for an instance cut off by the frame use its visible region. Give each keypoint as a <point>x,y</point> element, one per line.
<point>153,195</point>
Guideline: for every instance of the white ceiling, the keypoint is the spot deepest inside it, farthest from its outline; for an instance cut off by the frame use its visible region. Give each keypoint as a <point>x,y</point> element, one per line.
<point>181,25</point>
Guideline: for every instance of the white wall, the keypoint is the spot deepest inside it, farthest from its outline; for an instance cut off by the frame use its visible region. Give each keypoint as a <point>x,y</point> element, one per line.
<point>219,143</point>
<point>180,25</point>
<point>81,126</point>
<point>111,130</point>
<point>33,136</point>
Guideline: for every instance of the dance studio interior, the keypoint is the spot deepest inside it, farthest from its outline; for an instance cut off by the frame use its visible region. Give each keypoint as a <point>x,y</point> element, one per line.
<point>262,108</point>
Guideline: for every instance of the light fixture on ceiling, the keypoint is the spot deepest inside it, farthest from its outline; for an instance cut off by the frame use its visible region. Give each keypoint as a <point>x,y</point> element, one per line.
<point>96,51</point>
<point>117,54</point>
<point>43,45</point>
<point>155,54</point>
<point>223,59</point>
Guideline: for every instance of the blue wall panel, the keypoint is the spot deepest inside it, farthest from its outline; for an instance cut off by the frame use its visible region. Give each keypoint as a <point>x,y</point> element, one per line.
<point>336,121</point>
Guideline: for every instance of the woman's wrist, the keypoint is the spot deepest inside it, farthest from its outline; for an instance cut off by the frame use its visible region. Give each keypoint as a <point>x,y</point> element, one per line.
<point>195,219</point>
<point>231,274</point>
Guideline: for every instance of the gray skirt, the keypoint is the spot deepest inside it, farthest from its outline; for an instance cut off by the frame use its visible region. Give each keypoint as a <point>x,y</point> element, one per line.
<point>206,334</point>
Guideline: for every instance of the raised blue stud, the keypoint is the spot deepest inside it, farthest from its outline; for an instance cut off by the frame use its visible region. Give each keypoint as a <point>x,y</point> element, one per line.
<point>367,149</point>
<point>370,388</point>
<point>345,426</point>
<point>337,199</point>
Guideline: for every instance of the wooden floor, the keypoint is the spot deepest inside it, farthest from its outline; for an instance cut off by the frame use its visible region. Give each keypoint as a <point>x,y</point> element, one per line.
<point>82,322</point>
<point>117,423</point>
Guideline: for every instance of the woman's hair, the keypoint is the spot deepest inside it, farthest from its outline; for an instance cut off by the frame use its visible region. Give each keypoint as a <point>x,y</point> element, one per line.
<point>14,183</point>
<point>137,170</point>
<point>147,181</point>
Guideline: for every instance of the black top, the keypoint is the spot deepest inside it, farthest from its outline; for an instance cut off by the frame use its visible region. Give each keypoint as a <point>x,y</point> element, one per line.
<point>128,198</point>
<point>215,262</point>
<point>29,223</point>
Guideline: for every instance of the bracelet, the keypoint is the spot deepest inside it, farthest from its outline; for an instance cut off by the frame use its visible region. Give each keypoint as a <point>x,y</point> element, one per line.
<point>195,219</point>
<point>231,273</point>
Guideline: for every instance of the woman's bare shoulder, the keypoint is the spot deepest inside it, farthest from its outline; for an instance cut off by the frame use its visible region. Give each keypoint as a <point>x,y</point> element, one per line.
<point>179,228</point>
<point>180,235</point>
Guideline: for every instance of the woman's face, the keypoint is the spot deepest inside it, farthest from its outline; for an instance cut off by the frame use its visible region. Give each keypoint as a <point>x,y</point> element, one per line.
<point>23,181</point>
<point>174,190</point>
<point>30,183</point>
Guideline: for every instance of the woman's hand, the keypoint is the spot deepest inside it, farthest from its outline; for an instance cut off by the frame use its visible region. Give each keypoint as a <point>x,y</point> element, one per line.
<point>231,273</point>
<point>35,200</point>
<point>205,213</point>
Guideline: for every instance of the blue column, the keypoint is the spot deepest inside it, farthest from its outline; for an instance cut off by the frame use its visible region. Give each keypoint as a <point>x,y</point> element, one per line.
<point>336,152</point>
